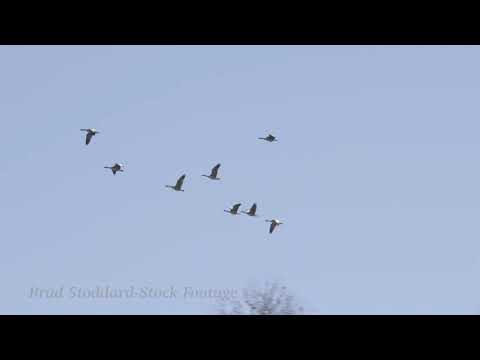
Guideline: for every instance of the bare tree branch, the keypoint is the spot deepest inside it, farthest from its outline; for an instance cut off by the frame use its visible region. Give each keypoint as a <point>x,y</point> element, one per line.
<point>272,299</point>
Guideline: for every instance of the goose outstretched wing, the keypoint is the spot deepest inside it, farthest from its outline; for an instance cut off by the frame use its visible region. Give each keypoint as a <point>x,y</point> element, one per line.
<point>215,171</point>
<point>180,181</point>
<point>88,138</point>
<point>272,226</point>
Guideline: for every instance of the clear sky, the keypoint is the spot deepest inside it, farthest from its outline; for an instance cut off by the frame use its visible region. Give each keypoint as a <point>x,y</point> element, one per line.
<point>376,175</point>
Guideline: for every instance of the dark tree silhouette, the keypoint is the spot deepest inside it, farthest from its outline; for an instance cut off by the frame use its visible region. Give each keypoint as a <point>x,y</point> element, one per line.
<point>272,299</point>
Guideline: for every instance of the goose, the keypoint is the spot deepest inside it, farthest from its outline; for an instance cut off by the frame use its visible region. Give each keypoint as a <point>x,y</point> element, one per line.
<point>274,224</point>
<point>214,173</point>
<point>269,138</point>
<point>252,211</point>
<point>179,184</point>
<point>115,168</point>
<point>90,134</point>
<point>234,209</point>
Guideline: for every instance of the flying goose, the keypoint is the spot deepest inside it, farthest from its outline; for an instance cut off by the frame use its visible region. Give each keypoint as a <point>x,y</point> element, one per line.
<point>115,168</point>
<point>252,211</point>
<point>269,138</point>
<point>234,209</point>
<point>179,184</point>
<point>90,134</point>
<point>214,173</point>
<point>274,224</point>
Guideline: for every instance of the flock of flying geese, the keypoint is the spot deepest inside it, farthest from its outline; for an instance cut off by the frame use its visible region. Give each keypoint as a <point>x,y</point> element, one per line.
<point>179,184</point>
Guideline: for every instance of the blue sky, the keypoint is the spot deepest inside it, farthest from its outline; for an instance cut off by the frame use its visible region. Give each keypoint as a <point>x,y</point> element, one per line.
<point>375,175</point>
